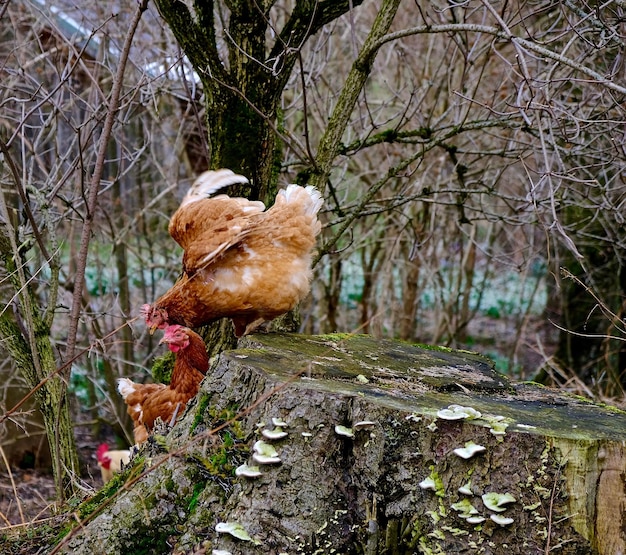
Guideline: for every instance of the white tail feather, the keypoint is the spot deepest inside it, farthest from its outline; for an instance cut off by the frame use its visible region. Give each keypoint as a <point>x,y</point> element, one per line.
<point>125,387</point>
<point>209,182</point>
<point>293,193</point>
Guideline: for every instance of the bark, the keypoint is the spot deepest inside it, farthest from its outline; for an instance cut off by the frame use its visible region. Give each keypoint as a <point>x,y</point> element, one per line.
<point>332,294</point>
<point>371,267</point>
<point>411,286</point>
<point>410,299</point>
<point>560,458</point>
<point>51,400</point>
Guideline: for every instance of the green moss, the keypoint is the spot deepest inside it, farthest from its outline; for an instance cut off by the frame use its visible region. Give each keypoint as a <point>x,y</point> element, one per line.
<point>202,405</point>
<point>444,349</point>
<point>534,384</point>
<point>440,490</point>
<point>334,336</point>
<point>94,504</point>
<point>224,457</point>
<point>426,548</point>
<point>170,484</point>
<point>62,532</point>
<point>198,488</point>
<point>229,448</point>
<point>438,348</point>
<point>162,368</point>
<point>32,539</point>
<point>228,414</point>
<point>110,489</point>
<point>154,542</point>
<point>611,408</point>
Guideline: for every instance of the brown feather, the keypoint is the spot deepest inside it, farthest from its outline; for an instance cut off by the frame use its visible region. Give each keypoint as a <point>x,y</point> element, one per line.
<point>239,261</point>
<point>147,402</point>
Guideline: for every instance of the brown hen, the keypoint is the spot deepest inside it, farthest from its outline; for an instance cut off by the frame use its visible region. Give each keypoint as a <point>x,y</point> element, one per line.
<point>239,261</point>
<point>147,402</point>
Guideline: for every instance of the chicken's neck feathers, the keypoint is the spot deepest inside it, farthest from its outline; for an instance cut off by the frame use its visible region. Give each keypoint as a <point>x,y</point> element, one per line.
<point>192,358</point>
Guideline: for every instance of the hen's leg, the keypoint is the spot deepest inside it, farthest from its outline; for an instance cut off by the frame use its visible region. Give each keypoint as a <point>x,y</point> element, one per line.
<point>140,432</point>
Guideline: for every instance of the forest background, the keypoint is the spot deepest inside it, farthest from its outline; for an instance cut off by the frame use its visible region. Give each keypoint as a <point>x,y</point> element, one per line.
<point>471,156</point>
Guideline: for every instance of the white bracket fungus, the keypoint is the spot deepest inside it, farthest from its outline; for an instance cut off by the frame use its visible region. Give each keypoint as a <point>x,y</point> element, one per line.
<point>458,412</point>
<point>248,471</point>
<point>363,424</point>
<point>501,520</point>
<point>433,482</point>
<point>236,530</point>
<point>428,483</point>
<point>469,450</point>
<point>465,509</point>
<point>264,453</point>
<point>413,417</point>
<point>495,501</point>
<point>276,433</point>
<point>466,489</point>
<point>526,426</point>
<point>343,431</point>
<point>499,428</point>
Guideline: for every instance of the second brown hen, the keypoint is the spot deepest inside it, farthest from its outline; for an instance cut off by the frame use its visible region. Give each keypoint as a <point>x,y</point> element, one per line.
<point>147,402</point>
<point>239,261</point>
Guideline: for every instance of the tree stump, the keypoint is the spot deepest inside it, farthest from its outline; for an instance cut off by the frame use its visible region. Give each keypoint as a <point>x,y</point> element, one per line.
<point>390,448</point>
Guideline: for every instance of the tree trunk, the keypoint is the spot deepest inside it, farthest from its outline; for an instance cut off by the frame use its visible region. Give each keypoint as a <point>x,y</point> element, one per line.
<point>51,400</point>
<point>26,338</point>
<point>243,87</point>
<point>410,285</point>
<point>368,464</point>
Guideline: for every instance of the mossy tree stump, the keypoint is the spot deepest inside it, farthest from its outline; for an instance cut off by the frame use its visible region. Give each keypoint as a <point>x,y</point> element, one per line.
<point>396,486</point>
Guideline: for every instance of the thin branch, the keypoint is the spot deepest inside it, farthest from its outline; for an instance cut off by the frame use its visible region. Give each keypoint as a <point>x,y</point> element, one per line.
<point>517,41</point>
<point>360,71</point>
<point>26,204</point>
<point>92,201</point>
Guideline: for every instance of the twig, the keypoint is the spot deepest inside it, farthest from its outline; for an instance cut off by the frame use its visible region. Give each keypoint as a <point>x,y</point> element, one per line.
<point>496,32</point>
<point>552,496</point>
<point>81,263</point>
<point>25,202</point>
<point>17,498</point>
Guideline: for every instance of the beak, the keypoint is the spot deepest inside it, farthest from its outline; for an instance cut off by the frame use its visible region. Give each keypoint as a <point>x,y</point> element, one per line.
<point>163,340</point>
<point>152,328</point>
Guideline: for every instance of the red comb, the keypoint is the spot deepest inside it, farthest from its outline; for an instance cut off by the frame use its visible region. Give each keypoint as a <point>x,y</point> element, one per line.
<point>102,449</point>
<point>172,329</point>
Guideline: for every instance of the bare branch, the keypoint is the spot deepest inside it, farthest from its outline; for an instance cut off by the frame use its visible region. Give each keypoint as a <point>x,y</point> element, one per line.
<point>95,181</point>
